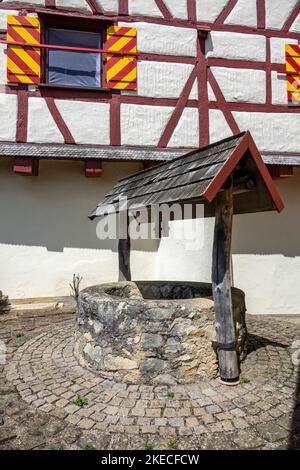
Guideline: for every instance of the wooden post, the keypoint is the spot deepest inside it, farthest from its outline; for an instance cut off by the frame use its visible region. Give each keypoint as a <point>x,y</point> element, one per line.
<point>124,254</point>
<point>221,286</point>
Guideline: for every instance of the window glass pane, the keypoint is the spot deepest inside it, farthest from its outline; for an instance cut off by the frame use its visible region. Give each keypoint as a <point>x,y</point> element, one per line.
<point>72,67</point>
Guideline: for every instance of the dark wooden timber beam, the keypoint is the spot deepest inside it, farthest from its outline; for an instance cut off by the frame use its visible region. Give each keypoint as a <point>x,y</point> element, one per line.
<point>124,251</point>
<point>221,286</point>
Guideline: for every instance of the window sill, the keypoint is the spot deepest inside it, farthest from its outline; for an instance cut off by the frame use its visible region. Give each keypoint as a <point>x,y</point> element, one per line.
<point>72,87</point>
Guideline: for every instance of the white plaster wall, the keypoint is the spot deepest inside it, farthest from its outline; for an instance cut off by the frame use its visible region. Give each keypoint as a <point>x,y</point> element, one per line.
<point>278,49</point>
<point>218,127</point>
<point>208,10</point>
<point>161,39</point>
<point>41,125</point>
<point>79,5</point>
<point>236,46</point>
<point>109,6</point>
<point>296,25</point>
<point>143,125</point>
<point>272,131</point>
<point>178,8</point>
<point>241,85</point>
<point>186,133</point>
<point>142,8</point>
<point>2,64</point>
<point>266,255</point>
<point>88,122</point>
<point>3,16</point>
<point>46,235</point>
<point>277,12</point>
<point>180,259</point>
<point>279,89</point>
<point>244,13</point>
<point>162,79</point>
<point>8,120</point>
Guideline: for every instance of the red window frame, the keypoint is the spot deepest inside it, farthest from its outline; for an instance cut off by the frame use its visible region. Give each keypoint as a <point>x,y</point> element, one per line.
<point>80,24</point>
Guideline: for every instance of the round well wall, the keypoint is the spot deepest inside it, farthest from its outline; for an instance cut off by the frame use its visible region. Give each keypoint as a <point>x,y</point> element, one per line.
<point>152,332</point>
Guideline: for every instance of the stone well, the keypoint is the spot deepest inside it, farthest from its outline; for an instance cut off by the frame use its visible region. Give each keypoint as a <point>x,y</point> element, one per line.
<point>152,332</point>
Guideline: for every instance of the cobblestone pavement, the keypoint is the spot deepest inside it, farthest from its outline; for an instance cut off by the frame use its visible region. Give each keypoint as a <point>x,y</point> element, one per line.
<point>41,379</point>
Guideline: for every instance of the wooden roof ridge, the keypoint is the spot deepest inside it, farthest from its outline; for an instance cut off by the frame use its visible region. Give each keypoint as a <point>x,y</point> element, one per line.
<point>180,157</point>
<point>247,143</point>
<point>197,175</point>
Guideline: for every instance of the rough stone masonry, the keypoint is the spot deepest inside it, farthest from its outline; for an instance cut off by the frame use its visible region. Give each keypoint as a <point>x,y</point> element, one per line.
<point>158,332</point>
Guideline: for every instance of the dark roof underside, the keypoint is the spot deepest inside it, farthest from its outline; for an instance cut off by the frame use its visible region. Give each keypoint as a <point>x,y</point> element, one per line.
<point>193,178</point>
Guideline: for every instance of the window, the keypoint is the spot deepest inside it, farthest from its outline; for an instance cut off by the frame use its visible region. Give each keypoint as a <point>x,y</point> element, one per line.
<point>81,48</point>
<point>73,68</point>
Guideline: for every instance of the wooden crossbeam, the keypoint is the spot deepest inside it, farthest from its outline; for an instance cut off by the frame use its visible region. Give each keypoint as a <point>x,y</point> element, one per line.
<point>93,168</point>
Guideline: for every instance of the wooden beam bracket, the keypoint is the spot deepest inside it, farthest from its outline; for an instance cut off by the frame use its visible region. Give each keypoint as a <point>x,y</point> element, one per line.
<point>221,287</point>
<point>93,168</point>
<point>124,253</point>
<point>26,166</point>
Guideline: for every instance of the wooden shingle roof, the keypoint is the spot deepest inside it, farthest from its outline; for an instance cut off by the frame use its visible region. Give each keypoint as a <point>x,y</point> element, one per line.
<point>197,177</point>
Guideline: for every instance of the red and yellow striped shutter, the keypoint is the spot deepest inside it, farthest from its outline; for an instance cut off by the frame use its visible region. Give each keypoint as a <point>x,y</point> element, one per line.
<point>121,70</point>
<point>23,63</point>
<point>292,57</point>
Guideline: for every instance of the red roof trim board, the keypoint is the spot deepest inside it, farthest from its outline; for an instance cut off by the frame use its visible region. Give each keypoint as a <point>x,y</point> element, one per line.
<point>247,143</point>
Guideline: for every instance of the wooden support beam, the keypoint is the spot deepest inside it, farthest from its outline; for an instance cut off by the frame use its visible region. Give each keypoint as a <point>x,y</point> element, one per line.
<point>221,286</point>
<point>93,168</point>
<point>124,254</point>
<point>26,166</point>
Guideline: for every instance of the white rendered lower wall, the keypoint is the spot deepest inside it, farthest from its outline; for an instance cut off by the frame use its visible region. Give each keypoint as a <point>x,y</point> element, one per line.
<point>266,255</point>
<point>46,235</point>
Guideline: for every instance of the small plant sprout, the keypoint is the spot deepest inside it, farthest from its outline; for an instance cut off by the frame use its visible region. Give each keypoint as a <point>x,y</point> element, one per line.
<point>172,443</point>
<point>73,381</point>
<point>244,379</point>
<point>149,446</point>
<point>170,394</point>
<point>80,401</point>
<point>89,446</point>
<point>75,286</point>
<point>19,334</point>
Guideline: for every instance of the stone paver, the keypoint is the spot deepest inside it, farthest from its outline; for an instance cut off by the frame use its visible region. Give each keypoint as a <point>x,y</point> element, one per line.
<point>42,386</point>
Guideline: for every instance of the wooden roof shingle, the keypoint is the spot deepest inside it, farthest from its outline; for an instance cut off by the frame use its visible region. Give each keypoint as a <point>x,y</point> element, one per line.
<point>196,176</point>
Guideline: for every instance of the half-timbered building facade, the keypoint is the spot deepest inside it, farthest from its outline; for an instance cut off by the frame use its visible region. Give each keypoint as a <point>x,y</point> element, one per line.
<point>95,90</point>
